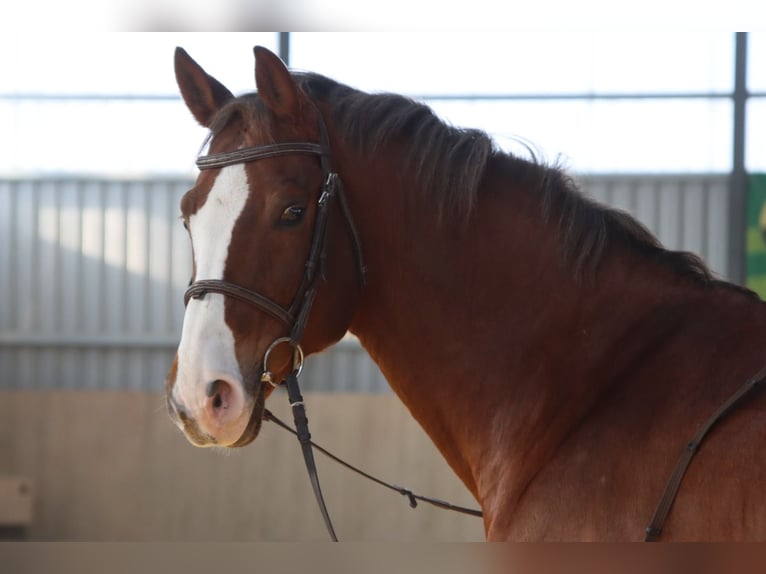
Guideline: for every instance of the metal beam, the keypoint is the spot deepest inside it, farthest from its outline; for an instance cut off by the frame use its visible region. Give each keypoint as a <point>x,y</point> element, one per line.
<point>148,341</point>
<point>284,47</point>
<point>473,97</point>
<point>738,180</point>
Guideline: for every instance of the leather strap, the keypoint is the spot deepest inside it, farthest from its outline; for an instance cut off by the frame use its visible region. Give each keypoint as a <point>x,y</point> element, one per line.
<point>199,289</point>
<point>411,496</point>
<point>654,530</point>
<point>253,153</point>
<point>355,242</point>
<point>296,316</point>
<point>304,297</point>
<point>304,437</point>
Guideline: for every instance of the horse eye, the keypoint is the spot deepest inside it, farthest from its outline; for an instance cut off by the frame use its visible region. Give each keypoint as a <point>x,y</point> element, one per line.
<point>292,215</point>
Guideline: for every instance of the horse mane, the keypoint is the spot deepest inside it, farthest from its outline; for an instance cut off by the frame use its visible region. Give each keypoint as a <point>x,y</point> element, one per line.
<point>588,227</point>
<point>449,164</point>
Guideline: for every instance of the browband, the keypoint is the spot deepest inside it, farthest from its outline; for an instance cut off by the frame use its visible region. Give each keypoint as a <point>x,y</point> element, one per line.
<point>258,152</point>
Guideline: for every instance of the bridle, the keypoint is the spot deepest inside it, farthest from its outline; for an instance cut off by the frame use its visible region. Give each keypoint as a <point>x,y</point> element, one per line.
<point>296,315</point>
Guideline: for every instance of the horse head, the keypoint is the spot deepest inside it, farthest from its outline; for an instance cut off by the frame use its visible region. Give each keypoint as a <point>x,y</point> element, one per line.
<point>271,259</point>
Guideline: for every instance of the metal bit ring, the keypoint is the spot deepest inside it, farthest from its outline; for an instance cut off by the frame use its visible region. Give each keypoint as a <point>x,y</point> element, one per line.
<point>267,376</point>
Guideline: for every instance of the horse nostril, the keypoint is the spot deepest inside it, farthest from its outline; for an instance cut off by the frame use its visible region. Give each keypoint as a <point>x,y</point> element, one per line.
<point>219,392</point>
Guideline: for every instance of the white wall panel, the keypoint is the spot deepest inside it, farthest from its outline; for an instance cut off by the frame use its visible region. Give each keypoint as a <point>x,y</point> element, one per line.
<point>689,213</point>
<point>92,275</point>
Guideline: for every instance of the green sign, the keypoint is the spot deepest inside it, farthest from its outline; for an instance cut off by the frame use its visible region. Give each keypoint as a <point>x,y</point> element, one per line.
<point>756,234</point>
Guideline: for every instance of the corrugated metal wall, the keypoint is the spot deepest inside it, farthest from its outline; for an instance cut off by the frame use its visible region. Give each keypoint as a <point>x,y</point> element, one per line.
<point>686,212</point>
<point>92,275</point>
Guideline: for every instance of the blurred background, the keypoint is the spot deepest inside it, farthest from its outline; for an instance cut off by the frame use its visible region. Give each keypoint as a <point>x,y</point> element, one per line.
<point>97,150</point>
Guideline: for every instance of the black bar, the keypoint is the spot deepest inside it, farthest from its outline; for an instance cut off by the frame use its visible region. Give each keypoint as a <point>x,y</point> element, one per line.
<point>284,47</point>
<point>739,180</point>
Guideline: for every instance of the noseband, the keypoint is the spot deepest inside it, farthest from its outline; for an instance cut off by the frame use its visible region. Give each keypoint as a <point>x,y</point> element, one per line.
<point>296,315</point>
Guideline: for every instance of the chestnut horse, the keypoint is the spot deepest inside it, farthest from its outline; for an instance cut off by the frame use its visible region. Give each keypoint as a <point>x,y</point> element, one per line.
<point>555,353</point>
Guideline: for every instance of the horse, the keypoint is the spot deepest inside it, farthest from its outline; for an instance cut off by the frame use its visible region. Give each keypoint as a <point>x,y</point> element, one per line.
<point>554,352</point>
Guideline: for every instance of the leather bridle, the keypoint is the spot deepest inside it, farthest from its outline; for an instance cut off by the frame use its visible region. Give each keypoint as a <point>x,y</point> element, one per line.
<point>296,315</point>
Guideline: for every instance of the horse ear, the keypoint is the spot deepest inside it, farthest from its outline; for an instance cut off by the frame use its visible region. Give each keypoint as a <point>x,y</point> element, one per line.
<point>203,94</point>
<point>274,84</point>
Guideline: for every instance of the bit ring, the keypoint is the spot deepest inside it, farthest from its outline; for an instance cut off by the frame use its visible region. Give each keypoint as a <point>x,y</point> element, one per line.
<point>267,376</point>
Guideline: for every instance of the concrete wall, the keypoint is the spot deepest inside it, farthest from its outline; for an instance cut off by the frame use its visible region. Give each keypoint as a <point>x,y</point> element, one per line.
<point>109,465</point>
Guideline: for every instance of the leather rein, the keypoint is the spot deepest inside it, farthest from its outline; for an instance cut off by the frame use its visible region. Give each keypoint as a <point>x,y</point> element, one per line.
<point>654,530</point>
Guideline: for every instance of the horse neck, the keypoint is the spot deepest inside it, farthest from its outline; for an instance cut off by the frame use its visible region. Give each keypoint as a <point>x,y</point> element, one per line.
<point>480,326</point>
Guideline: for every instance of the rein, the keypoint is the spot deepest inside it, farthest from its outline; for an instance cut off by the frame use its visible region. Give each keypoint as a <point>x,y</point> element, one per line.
<point>411,496</point>
<point>654,530</point>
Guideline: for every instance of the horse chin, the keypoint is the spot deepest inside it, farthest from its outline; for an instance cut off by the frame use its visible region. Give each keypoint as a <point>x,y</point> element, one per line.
<point>254,424</point>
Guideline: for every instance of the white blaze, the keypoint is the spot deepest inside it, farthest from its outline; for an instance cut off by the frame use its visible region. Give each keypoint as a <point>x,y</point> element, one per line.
<point>206,352</point>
